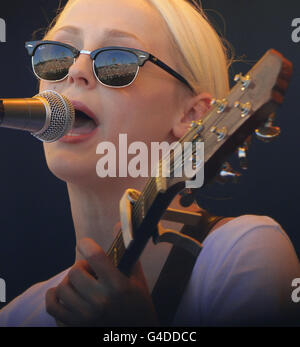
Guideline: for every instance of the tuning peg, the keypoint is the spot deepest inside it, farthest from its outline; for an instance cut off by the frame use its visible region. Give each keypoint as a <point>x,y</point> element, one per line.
<point>242,154</point>
<point>220,133</point>
<point>188,196</point>
<point>268,132</point>
<point>245,108</point>
<point>196,125</point>
<point>220,103</point>
<point>228,174</point>
<point>245,80</point>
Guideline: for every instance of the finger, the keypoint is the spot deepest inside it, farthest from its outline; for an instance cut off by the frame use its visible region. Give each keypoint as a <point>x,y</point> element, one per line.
<point>137,271</point>
<point>99,262</point>
<point>86,266</point>
<point>137,277</point>
<point>86,285</point>
<point>72,300</point>
<point>56,309</point>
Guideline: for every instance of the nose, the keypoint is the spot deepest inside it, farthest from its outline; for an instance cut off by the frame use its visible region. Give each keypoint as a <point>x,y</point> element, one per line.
<point>81,72</point>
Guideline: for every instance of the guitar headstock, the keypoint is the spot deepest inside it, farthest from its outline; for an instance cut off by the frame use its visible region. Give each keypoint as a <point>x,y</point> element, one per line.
<point>249,107</point>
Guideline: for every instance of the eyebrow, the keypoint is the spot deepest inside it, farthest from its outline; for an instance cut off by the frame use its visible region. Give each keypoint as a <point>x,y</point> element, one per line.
<point>107,34</point>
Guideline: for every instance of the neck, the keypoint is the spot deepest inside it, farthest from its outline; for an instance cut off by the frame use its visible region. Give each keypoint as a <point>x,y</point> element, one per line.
<point>95,212</point>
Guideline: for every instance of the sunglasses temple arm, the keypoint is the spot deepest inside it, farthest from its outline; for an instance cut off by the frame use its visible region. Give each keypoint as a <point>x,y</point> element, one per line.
<point>167,68</point>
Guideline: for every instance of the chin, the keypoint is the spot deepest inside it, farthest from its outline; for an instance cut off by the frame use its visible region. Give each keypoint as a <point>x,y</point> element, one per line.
<point>71,167</point>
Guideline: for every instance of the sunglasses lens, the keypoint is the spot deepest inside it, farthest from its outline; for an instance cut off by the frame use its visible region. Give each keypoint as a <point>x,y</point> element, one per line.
<point>52,62</point>
<point>116,68</point>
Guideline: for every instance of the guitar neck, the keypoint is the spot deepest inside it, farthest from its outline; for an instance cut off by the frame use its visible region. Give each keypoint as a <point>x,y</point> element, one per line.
<point>145,216</point>
<point>147,210</point>
<point>117,249</point>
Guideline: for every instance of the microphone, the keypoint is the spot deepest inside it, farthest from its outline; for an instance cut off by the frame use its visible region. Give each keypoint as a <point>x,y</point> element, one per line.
<point>48,116</point>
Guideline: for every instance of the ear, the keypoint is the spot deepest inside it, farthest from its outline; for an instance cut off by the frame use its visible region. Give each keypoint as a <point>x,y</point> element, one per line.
<point>195,109</point>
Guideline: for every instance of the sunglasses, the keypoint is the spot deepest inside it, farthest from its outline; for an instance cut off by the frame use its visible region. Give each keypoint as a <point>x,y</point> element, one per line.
<point>114,67</point>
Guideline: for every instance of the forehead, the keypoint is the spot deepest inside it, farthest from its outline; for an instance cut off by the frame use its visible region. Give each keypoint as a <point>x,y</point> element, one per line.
<point>97,19</point>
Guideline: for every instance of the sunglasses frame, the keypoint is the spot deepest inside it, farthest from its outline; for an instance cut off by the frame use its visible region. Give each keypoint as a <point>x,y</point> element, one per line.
<point>142,56</point>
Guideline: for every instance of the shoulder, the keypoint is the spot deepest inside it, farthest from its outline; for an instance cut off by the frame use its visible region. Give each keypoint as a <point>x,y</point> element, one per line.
<point>250,240</point>
<point>28,309</point>
<point>241,225</point>
<point>248,230</point>
<point>244,273</point>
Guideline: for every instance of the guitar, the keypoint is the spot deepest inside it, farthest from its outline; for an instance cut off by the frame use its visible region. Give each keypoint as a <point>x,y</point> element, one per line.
<point>250,106</point>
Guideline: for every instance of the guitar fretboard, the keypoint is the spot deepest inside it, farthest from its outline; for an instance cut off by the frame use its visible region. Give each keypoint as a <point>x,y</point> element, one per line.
<point>117,249</point>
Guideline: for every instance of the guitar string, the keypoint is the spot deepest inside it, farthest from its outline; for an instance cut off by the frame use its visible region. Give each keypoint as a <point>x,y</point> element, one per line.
<point>175,165</point>
<point>151,192</point>
<point>151,181</point>
<point>147,192</point>
<point>149,189</point>
<point>192,133</point>
<point>118,242</point>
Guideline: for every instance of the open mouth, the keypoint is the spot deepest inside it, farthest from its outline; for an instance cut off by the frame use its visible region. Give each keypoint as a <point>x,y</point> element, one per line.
<point>83,124</point>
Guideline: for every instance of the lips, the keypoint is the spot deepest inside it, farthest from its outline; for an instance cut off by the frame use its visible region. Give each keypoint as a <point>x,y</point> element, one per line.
<point>85,125</point>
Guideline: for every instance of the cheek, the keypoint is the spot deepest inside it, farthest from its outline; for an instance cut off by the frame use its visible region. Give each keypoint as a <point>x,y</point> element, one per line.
<point>44,85</point>
<point>144,121</point>
<point>153,114</point>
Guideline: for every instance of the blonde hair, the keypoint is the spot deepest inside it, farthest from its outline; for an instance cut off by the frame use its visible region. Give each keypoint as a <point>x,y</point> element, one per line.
<point>203,58</point>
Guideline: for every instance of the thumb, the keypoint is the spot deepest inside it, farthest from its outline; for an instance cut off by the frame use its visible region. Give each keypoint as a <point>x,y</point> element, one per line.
<point>96,257</point>
<point>137,276</point>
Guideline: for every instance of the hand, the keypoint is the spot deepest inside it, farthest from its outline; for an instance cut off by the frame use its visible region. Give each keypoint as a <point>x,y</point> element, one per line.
<point>95,293</point>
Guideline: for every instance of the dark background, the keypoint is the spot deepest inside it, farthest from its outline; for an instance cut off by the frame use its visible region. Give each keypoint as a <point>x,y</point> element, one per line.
<point>36,229</point>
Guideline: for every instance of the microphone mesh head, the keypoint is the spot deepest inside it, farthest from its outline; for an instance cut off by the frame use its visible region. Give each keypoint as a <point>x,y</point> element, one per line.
<point>60,116</point>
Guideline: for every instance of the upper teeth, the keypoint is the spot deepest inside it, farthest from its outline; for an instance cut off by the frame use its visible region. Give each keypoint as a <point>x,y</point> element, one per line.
<point>71,134</point>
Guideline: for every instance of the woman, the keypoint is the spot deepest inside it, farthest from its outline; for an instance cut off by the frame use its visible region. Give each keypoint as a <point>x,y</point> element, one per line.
<point>239,276</point>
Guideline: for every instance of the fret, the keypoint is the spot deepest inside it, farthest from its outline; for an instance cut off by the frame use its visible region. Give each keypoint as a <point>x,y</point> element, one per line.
<point>144,203</point>
<point>153,186</point>
<point>117,249</point>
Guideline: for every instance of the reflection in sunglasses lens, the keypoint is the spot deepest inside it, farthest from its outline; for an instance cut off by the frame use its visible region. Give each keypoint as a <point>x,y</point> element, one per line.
<point>116,68</point>
<point>52,62</point>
